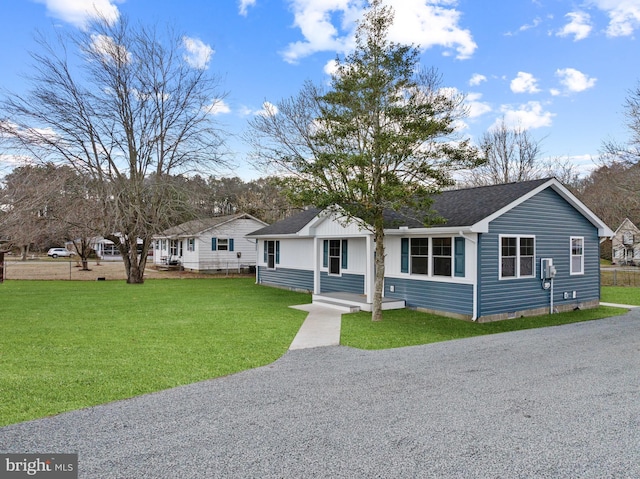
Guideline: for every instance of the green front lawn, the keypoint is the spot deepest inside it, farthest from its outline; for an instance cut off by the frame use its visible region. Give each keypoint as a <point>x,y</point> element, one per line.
<point>71,344</point>
<point>68,345</point>
<point>404,327</point>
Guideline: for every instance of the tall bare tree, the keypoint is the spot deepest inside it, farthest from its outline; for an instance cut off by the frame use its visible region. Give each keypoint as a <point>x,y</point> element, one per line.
<point>122,105</point>
<point>379,138</point>
<point>512,154</point>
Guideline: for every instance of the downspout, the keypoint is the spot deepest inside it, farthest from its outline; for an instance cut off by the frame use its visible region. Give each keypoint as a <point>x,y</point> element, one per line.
<point>474,316</point>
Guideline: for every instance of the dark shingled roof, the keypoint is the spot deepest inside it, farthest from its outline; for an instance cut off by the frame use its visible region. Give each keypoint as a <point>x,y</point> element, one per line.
<point>468,206</point>
<point>463,207</point>
<point>290,225</point>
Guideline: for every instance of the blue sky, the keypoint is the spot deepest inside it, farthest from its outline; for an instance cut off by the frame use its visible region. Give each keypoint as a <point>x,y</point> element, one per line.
<point>561,69</point>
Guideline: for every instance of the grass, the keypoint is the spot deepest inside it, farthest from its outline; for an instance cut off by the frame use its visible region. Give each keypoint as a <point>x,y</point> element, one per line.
<point>73,344</point>
<point>68,345</point>
<point>621,295</point>
<point>408,328</point>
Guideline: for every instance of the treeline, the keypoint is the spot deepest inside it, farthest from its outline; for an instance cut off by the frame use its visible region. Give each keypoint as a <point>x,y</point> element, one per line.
<point>42,206</point>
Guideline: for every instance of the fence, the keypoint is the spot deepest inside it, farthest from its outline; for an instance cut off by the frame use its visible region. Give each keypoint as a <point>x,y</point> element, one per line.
<point>65,269</point>
<point>620,277</point>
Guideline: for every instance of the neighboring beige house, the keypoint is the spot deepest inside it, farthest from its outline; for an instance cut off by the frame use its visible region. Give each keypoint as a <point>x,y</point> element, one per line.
<point>210,244</point>
<point>625,244</point>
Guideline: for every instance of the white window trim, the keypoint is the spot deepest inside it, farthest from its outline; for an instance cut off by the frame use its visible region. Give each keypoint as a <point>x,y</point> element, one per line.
<point>518,275</point>
<point>339,273</point>
<point>430,258</point>
<point>571,255</point>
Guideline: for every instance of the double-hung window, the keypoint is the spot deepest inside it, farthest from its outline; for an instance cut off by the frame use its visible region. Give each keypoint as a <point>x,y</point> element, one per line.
<point>442,256</point>
<point>577,255</point>
<point>191,244</point>
<point>517,257</point>
<point>272,253</point>
<point>432,256</point>
<point>419,255</point>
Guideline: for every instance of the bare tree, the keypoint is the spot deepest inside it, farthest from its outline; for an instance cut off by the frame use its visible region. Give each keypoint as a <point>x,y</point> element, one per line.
<point>28,199</point>
<point>512,154</point>
<point>613,190</point>
<point>121,105</point>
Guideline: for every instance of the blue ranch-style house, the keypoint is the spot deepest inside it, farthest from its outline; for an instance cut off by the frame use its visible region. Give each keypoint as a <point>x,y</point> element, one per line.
<point>503,251</point>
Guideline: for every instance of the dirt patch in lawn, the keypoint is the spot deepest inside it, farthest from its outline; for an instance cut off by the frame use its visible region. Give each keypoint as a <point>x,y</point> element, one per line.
<point>63,269</point>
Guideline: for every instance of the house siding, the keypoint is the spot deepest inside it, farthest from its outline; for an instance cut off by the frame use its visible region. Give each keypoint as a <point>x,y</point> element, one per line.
<point>295,279</point>
<point>214,260</point>
<point>347,283</point>
<point>434,296</point>
<point>552,221</point>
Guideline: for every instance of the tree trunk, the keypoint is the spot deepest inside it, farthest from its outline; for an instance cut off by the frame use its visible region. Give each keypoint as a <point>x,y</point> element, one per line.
<point>378,235</point>
<point>85,264</point>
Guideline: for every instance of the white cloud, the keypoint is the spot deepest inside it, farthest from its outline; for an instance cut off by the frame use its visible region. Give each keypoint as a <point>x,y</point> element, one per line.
<point>244,5</point>
<point>524,83</point>
<point>427,24</point>
<point>217,107</point>
<point>531,115</point>
<point>476,79</point>
<point>331,67</point>
<point>476,107</point>
<point>574,80</point>
<point>624,16</point>
<point>579,26</point>
<point>268,109</point>
<point>536,21</point>
<point>80,12</point>
<point>198,53</point>
<point>109,49</point>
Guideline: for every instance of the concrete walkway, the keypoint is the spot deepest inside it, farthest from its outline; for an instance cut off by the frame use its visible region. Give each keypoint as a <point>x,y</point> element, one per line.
<point>321,328</point>
<point>615,305</point>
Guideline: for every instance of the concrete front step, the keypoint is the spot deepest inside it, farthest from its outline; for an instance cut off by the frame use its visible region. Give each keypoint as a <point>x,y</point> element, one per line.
<point>338,305</point>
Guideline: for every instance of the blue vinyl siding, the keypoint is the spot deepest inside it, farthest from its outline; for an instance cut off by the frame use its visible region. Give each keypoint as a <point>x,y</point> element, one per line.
<point>552,221</point>
<point>440,296</point>
<point>298,279</point>
<point>348,283</point>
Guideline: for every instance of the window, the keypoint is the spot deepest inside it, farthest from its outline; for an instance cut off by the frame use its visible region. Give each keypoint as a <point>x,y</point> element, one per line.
<point>221,244</point>
<point>175,248</point>
<point>419,255</point>
<point>272,253</point>
<point>517,254</point>
<point>577,255</point>
<point>334,257</point>
<point>442,256</point>
<point>191,244</point>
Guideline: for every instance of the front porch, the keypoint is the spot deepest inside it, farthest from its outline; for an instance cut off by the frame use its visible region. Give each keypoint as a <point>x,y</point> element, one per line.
<point>352,303</point>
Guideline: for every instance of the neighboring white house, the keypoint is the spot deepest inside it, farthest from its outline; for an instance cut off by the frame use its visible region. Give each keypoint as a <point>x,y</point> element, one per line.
<point>625,244</point>
<point>210,244</point>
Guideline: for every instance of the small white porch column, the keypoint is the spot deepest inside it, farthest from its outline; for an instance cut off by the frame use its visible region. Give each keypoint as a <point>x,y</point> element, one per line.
<point>316,265</point>
<point>369,278</point>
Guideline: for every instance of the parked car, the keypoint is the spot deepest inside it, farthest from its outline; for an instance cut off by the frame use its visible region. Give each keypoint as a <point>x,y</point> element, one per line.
<point>60,252</point>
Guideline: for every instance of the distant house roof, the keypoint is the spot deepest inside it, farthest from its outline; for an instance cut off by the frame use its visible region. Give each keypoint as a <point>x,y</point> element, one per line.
<point>196,227</point>
<point>459,208</point>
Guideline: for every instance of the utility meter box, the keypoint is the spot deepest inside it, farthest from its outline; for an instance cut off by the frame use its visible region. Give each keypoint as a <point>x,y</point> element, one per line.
<point>547,269</point>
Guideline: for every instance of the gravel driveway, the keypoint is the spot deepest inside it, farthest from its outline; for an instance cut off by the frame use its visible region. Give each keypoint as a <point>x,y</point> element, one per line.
<point>559,402</point>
